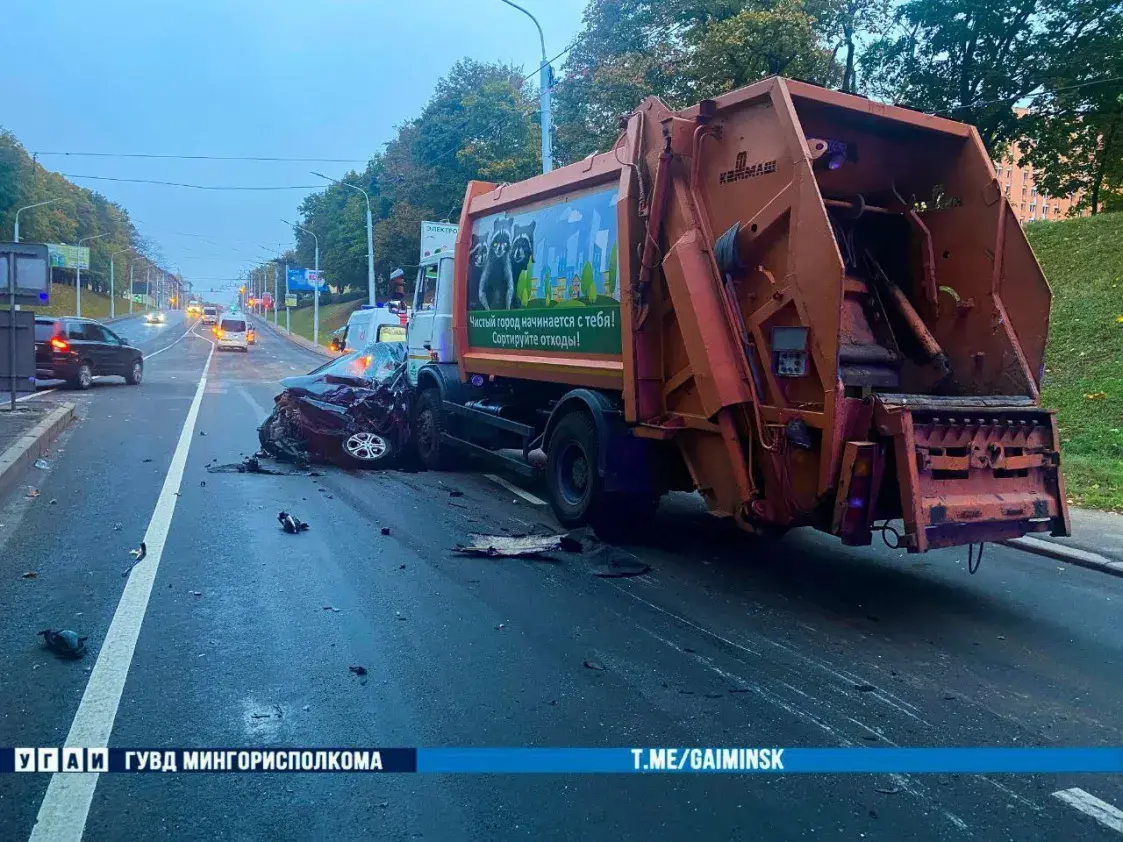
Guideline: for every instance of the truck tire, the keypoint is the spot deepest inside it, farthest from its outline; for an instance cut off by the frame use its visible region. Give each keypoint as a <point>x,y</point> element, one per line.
<point>428,425</point>
<point>575,486</point>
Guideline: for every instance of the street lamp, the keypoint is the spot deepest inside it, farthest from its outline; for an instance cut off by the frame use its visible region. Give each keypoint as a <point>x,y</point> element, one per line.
<point>112,289</point>
<point>78,276</point>
<point>370,235</point>
<point>545,82</point>
<point>315,287</point>
<point>29,207</point>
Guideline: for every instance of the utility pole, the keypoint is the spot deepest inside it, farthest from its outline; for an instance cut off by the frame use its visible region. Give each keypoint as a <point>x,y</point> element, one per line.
<point>78,277</point>
<point>545,83</point>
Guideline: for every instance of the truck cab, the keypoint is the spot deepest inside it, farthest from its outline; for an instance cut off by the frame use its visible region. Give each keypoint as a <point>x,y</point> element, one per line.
<point>429,337</point>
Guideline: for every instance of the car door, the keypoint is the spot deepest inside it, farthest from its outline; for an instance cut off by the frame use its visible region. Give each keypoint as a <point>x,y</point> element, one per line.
<point>117,354</point>
<point>83,342</point>
<point>103,349</point>
<point>424,317</point>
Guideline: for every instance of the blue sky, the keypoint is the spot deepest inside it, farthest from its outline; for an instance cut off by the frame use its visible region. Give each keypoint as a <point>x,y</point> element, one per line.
<point>285,78</point>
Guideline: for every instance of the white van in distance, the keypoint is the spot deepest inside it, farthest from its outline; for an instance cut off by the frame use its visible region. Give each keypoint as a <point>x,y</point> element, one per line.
<point>231,333</point>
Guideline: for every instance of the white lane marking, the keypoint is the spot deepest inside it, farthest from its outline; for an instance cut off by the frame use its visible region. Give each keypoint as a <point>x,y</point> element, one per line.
<point>66,804</point>
<point>514,489</point>
<point>262,412</point>
<point>37,394</point>
<point>1089,805</point>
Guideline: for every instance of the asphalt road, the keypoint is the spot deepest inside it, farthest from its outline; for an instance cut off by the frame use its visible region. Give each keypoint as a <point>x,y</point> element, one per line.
<point>726,641</point>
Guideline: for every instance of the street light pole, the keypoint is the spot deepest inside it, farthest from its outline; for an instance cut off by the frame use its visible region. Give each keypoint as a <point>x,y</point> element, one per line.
<point>28,207</point>
<point>112,287</point>
<point>78,277</point>
<point>316,287</point>
<point>545,82</point>
<point>370,234</point>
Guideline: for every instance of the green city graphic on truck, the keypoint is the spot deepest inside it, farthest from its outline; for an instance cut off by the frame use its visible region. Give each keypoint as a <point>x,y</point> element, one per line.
<point>547,278</point>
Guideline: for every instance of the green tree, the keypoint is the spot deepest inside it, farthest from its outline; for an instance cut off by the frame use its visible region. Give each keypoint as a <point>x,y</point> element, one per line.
<point>588,283</point>
<point>973,59</point>
<point>681,51</point>
<point>1074,132</point>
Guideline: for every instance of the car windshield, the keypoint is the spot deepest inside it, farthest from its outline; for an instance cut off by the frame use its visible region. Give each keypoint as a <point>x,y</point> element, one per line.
<point>376,362</point>
<point>233,325</point>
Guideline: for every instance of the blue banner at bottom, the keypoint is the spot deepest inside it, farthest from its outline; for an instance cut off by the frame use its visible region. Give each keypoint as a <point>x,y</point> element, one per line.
<point>645,760</point>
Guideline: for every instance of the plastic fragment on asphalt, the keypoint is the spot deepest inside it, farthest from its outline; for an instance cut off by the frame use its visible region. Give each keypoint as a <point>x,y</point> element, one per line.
<point>386,530</point>
<point>64,643</point>
<point>42,464</point>
<point>517,546</point>
<point>30,574</point>
<point>140,552</point>
<point>359,670</point>
<point>291,524</point>
<point>594,665</point>
<point>32,491</point>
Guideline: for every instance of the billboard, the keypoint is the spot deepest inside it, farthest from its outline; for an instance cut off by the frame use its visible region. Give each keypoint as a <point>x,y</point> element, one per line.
<point>437,235</point>
<point>303,280</point>
<point>546,278</point>
<point>68,257</point>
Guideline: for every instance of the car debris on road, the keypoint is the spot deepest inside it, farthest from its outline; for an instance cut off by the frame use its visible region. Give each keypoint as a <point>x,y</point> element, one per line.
<point>291,524</point>
<point>64,643</point>
<point>517,546</point>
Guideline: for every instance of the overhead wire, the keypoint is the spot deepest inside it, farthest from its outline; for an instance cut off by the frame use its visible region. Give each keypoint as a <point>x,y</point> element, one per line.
<point>205,157</point>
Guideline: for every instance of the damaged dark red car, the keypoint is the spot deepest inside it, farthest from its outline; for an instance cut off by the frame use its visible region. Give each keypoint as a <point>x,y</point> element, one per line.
<point>354,410</point>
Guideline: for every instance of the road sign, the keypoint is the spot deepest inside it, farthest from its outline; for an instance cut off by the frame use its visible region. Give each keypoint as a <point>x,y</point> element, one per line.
<point>68,257</point>
<point>437,235</point>
<point>298,279</point>
<point>290,300</point>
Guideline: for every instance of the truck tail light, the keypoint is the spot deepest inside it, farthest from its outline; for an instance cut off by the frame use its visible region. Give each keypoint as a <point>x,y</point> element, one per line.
<point>857,493</point>
<point>434,357</point>
<point>60,345</point>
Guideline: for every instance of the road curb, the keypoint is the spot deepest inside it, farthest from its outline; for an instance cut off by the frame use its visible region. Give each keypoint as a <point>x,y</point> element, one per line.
<point>294,339</point>
<point>1069,555</point>
<point>32,445</point>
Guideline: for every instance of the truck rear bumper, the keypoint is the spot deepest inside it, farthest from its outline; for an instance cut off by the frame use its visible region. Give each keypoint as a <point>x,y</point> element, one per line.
<point>973,469</point>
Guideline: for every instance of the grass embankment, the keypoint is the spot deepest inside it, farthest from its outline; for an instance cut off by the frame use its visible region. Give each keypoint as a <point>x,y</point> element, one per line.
<point>332,317</point>
<point>1083,260</point>
<point>94,304</point>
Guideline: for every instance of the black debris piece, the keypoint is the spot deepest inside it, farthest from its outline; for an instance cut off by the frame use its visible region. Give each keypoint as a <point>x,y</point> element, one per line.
<point>64,643</point>
<point>140,552</point>
<point>386,530</point>
<point>202,483</point>
<point>594,665</point>
<point>145,460</point>
<point>249,465</point>
<point>864,688</point>
<point>290,523</point>
<point>621,568</point>
<point>202,433</point>
<point>456,493</point>
<point>358,670</point>
<point>401,567</point>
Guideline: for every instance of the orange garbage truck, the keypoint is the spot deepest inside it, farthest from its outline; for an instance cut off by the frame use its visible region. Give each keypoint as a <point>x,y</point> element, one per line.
<point>810,308</point>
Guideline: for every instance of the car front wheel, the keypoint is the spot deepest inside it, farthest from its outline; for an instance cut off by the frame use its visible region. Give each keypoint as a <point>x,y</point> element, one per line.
<point>135,374</point>
<point>367,448</point>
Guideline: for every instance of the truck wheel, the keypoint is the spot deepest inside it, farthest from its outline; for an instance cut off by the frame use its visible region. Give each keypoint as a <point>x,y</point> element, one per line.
<point>428,424</point>
<point>573,482</point>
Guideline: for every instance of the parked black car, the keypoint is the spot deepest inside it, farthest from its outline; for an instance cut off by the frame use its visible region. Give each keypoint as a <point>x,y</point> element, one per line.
<point>77,350</point>
<point>354,409</point>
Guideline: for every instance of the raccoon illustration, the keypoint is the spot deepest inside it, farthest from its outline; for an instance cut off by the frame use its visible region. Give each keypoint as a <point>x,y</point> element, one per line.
<point>497,265</point>
<point>522,248</point>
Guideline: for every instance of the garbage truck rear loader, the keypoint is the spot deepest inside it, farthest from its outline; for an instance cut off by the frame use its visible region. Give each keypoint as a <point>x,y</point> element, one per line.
<point>812,309</point>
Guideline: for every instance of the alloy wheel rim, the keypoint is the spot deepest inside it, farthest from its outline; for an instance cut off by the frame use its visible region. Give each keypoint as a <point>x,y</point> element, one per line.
<point>366,447</point>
